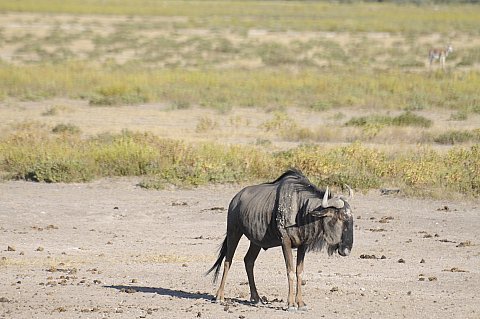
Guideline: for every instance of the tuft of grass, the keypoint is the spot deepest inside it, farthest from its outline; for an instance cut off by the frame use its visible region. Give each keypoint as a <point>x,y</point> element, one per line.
<point>51,111</point>
<point>405,119</point>
<point>280,122</point>
<point>287,128</point>
<point>371,119</point>
<point>469,57</point>
<point>206,124</point>
<point>320,106</point>
<point>66,129</point>
<point>411,119</point>
<point>457,137</point>
<point>263,142</point>
<point>181,104</point>
<point>460,115</point>
<point>118,94</point>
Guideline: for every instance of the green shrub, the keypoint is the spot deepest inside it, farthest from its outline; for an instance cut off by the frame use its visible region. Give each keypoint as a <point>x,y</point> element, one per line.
<point>456,137</point>
<point>411,119</point>
<point>125,155</point>
<point>118,94</point>
<point>463,170</point>
<point>66,129</point>
<point>371,119</point>
<point>54,170</point>
<point>39,159</point>
<point>274,54</point>
<point>405,119</point>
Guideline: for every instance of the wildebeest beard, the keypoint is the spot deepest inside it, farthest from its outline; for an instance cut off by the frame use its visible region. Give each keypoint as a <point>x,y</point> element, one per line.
<point>318,242</point>
<point>332,249</point>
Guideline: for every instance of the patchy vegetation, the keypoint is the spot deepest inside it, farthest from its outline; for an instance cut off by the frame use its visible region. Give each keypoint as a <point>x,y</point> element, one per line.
<point>249,88</point>
<point>351,16</point>
<point>458,137</point>
<point>42,156</point>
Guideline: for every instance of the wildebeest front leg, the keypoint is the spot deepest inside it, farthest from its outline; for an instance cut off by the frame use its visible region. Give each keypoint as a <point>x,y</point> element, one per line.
<point>249,260</point>
<point>300,258</point>
<point>288,256</point>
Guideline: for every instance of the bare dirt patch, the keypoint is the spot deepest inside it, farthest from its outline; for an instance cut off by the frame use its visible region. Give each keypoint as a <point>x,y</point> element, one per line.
<point>111,248</point>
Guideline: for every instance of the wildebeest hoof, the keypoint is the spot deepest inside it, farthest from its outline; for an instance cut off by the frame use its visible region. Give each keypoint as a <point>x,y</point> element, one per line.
<point>256,302</point>
<point>216,300</point>
<point>303,308</point>
<point>292,309</point>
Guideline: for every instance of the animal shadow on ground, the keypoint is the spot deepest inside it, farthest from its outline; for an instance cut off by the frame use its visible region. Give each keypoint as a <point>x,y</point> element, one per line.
<point>163,292</point>
<point>185,295</point>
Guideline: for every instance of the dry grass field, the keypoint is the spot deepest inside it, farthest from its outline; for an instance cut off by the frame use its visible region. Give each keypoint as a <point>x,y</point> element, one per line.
<point>274,87</point>
<point>224,84</point>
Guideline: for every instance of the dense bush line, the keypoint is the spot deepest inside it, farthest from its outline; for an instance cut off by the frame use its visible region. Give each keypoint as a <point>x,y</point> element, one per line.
<point>45,157</point>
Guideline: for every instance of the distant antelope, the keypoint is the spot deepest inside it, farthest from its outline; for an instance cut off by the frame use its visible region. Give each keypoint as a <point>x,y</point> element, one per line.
<point>439,54</point>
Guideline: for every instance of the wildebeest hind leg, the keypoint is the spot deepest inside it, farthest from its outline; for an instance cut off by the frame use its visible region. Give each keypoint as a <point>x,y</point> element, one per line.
<point>249,260</point>
<point>232,242</point>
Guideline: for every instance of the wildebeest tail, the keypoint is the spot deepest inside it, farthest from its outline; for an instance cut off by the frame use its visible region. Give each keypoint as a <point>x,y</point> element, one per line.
<point>221,255</point>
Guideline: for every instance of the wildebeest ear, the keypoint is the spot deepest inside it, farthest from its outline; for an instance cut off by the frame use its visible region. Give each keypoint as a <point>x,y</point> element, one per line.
<point>350,194</point>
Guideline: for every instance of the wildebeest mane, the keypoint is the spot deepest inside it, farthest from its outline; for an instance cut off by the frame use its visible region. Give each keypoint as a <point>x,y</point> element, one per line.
<point>302,184</point>
<point>308,194</point>
<point>308,197</point>
<point>290,172</point>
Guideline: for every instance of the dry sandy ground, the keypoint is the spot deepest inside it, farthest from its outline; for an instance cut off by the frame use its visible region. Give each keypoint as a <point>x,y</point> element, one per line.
<point>112,249</point>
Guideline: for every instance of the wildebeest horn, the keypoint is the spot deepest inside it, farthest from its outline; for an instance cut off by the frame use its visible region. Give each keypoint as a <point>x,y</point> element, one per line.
<point>325,199</point>
<point>333,202</point>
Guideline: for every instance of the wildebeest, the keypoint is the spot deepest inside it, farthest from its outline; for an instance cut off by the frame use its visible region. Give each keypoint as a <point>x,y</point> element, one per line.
<point>289,212</point>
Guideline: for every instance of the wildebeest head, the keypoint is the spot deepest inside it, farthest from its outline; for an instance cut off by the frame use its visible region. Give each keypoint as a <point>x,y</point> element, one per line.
<point>337,223</point>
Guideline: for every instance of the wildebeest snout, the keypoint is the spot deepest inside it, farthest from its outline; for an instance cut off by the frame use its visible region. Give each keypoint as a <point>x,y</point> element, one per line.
<point>343,251</point>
